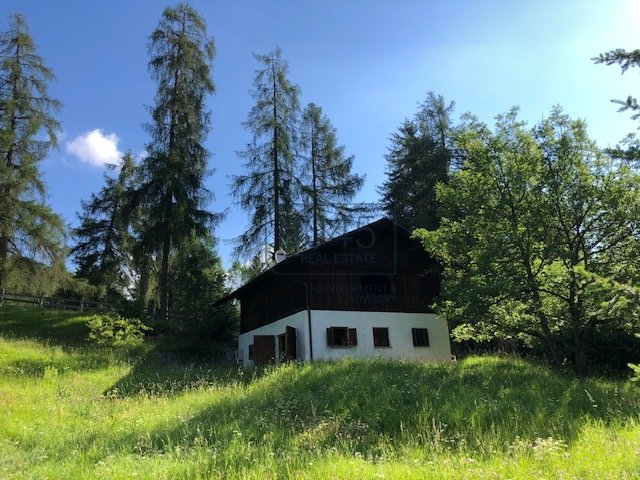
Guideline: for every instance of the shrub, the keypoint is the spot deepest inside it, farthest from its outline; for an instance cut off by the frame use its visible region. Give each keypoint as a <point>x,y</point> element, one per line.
<point>635,368</point>
<point>116,331</point>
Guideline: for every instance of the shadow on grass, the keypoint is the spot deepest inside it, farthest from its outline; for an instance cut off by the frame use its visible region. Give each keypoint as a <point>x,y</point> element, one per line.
<point>56,327</point>
<point>379,407</point>
<point>164,373</point>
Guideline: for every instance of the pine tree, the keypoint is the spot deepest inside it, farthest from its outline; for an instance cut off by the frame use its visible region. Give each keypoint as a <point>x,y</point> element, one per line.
<point>28,227</point>
<point>269,191</point>
<point>171,192</point>
<point>419,158</point>
<point>330,185</point>
<point>102,250</point>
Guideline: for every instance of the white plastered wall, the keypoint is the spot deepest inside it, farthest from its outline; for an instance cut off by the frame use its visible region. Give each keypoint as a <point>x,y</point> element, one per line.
<point>298,320</point>
<point>400,327</point>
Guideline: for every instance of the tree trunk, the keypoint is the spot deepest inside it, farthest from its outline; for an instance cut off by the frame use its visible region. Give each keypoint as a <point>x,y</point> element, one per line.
<point>4,253</point>
<point>164,267</point>
<point>143,284</point>
<point>276,170</point>
<point>314,187</point>
<point>164,279</point>
<point>549,340</point>
<point>580,355</point>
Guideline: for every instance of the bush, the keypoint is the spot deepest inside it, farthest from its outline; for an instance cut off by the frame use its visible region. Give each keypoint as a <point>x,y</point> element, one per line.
<point>116,331</point>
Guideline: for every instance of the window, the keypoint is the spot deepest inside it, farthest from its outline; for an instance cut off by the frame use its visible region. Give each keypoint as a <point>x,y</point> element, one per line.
<point>341,337</point>
<point>251,352</point>
<point>420,337</point>
<point>381,337</point>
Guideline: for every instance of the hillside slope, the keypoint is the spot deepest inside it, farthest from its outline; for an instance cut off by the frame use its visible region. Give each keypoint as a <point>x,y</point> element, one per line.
<point>69,410</point>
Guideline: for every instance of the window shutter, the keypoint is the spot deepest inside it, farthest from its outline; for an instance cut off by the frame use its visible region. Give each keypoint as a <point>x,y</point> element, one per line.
<point>352,337</point>
<point>329,337</point>
<point>291,343</point>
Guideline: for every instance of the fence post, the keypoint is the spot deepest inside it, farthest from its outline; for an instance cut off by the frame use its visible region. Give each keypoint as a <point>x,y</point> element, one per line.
<point>82,304</point>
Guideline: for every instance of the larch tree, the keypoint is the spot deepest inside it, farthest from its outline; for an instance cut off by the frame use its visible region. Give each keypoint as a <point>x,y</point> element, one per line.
<point>269,191</point>
<point>28,129</point>
<point>329,186</point>
<point>418,159</point>
<point>171,190</point>
<point>102,250</point>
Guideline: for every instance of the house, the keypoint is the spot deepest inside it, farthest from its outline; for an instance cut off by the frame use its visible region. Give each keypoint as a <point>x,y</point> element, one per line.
<point>363,294</point>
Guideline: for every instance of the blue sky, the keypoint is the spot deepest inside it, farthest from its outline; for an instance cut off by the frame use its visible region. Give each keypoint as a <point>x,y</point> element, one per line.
<point>368,64</point>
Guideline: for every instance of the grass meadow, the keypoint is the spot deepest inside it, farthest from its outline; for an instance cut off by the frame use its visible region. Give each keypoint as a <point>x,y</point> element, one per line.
<point>72,410</point>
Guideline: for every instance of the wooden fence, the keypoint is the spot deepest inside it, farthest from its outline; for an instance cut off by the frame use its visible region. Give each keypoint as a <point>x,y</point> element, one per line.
<point>82,304</point>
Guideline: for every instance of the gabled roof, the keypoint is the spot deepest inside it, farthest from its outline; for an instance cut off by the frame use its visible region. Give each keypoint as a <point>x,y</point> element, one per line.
<point>317,249</point>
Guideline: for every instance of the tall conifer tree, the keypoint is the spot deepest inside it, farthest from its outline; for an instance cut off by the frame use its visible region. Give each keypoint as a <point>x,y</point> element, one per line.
<point>102,239</point>
<point>419,158</point>
<point>270,190</point>
<point>330,186</point>
<point>172,175</point>
<point>28,131</point>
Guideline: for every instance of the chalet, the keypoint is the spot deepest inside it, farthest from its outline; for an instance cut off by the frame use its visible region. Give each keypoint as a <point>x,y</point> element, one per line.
<point>363,294</point>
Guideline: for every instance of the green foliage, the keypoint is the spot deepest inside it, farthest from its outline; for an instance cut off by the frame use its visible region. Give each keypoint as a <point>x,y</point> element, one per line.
<point>28,276</point>
<point>539,234</point>
<point>635,368</point>
<point>112,330</point>
<point>171,197</point>
<point>329,186</point>
<point>28,227</point>
<point>103,243</point>
<point>198,281</point>
<point>418,159</point>
<point>630,145</point>
<point>268,190</point>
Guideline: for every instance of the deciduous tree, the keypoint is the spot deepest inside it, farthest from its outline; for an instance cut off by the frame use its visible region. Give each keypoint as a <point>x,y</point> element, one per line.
<point>539,230</point>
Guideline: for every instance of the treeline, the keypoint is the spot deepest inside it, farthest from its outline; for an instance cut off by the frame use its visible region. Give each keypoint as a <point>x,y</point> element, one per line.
<point>535,227</point>
<point>145,241</point>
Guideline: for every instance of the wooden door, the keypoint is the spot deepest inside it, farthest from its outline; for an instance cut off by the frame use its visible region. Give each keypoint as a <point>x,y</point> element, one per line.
<point>264,349</point>
<point>291,343</point>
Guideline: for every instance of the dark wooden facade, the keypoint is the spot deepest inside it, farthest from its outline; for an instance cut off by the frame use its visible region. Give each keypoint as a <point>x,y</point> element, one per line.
<point>377,267</point>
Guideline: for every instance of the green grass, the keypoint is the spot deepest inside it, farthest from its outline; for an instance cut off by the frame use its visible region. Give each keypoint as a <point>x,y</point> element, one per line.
<point>70,410</point>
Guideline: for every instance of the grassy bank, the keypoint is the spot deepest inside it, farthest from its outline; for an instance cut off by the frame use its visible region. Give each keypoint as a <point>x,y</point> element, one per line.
<point>69,410</point>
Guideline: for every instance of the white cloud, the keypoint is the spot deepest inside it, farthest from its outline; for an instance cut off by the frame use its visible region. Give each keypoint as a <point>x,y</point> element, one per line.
<point>96,148</point>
